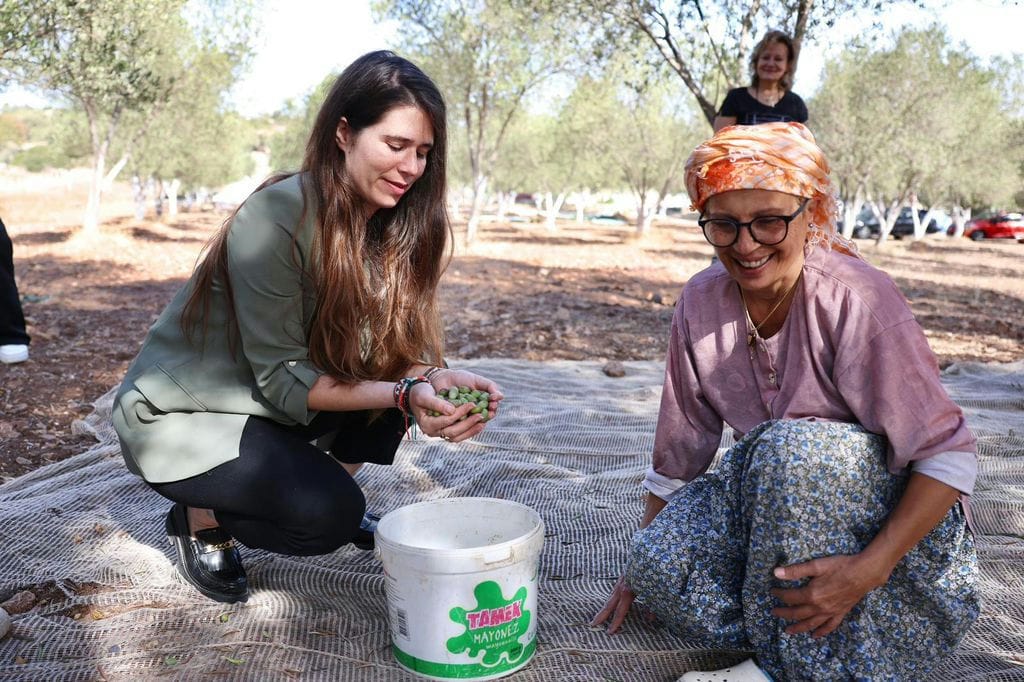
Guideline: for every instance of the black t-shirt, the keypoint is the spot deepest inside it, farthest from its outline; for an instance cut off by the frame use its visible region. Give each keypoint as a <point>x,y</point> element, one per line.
<point>748,111</point>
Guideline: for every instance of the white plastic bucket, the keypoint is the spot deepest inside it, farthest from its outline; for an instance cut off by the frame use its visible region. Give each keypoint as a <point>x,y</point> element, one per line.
<point>461,579</point>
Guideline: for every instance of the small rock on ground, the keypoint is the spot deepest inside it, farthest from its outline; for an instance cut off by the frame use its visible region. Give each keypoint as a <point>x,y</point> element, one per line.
<point>5,623</point>
<point>19,603</point>
<point>614,369</point>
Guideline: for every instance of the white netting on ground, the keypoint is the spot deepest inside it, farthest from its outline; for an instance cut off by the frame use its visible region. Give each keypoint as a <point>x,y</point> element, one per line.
<point>87,536</point>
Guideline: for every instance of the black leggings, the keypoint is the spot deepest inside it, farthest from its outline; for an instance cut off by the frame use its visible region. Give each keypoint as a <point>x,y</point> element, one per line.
<point>12,320</point>
<point>286,495</point>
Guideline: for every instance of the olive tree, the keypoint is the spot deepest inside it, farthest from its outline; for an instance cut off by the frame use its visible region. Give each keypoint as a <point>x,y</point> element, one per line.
<point>288,145</point>
<point>639,126</point>
<point>897,133</point>
<point>554,157</point>
<point>119,62</point>
<point>487,57</point>
<point>708,44</point>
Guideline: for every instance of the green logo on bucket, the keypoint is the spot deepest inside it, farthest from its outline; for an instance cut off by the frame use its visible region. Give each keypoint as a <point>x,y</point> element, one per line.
<point>493,627</point>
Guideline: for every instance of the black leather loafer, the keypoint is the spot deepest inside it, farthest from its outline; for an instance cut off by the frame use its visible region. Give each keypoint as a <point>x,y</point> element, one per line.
<point>209,561</point>
<point>367,527</point>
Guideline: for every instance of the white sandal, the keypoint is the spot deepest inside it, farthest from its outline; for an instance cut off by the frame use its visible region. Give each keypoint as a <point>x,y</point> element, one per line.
<point>747,671</point>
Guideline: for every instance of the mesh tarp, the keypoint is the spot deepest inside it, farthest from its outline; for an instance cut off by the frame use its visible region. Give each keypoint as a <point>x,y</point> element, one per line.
<point>87,537</point>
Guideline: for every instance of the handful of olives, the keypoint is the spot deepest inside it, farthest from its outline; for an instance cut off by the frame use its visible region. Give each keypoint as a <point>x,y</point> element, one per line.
<point>464,394</point>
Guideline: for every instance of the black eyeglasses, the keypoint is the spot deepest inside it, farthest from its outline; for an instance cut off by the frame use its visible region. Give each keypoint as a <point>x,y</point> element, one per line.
<point>768,230</point>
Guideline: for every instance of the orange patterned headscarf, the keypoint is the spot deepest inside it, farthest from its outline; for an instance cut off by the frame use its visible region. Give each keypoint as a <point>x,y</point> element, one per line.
<point>782,157</point>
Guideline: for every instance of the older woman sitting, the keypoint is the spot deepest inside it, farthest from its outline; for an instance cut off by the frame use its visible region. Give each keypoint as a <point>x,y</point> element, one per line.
<point>829,540</point>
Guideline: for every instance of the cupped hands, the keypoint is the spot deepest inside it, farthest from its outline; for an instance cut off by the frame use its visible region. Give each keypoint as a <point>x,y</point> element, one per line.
<point>450,425</point>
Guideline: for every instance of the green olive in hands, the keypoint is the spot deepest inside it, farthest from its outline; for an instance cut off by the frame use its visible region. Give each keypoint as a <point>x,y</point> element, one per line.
<point>462,395</point>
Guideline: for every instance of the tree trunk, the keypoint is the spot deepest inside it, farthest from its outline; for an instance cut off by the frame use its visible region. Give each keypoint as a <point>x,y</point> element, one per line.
<point>455,203</point>
<point>851,209</point>
<point>803,14</point>
<point>552,205</point>
<point>885,223</point>
<point>108,179</point>
<point>505,199</point>
<point>960,217</point>
<point>916,218</point>
<point>581,200</point>
<point>91,219</point>
<point>645,225</point>
<point>644,215</point>
<point>642,16</point>
<point>100,148</point>
<point>476,208</point>
<point>927,219</point>
<point>172,197</point>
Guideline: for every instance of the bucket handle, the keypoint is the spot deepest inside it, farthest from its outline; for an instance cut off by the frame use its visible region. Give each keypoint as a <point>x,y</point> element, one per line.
<point>502,554</point>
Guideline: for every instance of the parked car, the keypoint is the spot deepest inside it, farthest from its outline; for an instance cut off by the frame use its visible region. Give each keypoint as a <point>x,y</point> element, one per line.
<point>608,219</point>
<point>904,225</point>
<point>865,227</point>
<point>999,226</point>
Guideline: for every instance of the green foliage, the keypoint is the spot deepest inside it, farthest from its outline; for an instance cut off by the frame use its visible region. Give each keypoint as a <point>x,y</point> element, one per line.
<point>105,55</point>
<point>288,143</point>
<point>625,127</point>
<point>14,131</point>
<point>640,126</point>
<point>191,137</point>
<point>205,152</point>
<point>707,44</point>
<point>486,56</point>
<point>39,139</point>
<point>138,69</point>
<point>544,154</point>
<point>923,116</point>
<point>36,159</point>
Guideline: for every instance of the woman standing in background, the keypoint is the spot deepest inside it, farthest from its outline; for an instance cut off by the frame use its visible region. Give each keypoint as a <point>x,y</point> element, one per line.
<point>769,98</point>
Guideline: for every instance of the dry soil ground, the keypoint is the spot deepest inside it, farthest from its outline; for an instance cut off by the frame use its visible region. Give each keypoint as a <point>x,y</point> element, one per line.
<point>583,292</point>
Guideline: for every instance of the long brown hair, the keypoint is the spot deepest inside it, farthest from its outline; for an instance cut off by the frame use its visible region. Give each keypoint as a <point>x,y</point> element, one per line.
<point>774,37</point>
<point>375,281</point>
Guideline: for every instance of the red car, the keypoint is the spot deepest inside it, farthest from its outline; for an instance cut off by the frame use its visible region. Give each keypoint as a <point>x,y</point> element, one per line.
<point>1005,226</point>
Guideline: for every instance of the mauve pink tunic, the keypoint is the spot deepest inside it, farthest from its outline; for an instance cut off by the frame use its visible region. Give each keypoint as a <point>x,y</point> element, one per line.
<point>850,351</point>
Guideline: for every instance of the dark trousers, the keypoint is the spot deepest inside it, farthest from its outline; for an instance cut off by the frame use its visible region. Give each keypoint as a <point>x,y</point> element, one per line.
<point>286,495</point>
<point>12,320</point>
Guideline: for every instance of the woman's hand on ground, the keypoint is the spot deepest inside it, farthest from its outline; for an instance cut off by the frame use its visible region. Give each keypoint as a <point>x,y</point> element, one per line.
<point>617,607</point>
<point>423,400</point>
<point>837,584</point>
<point>449,378</point>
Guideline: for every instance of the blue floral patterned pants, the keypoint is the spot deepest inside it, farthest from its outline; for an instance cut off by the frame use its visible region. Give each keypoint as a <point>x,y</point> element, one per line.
<point>791,491</point>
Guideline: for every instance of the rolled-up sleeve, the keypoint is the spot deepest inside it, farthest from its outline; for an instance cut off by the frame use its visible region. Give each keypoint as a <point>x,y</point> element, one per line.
<point>689,429</point>
<point>267,277</point>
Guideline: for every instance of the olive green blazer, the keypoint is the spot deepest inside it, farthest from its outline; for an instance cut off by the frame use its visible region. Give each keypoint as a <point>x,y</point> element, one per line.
<point>182,406</point>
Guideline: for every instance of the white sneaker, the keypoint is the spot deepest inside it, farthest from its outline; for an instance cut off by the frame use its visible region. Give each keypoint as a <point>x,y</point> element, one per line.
<point>13,352</point>
<point>747,671</point>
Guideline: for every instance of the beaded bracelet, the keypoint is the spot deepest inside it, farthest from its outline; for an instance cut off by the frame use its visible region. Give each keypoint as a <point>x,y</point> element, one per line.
<point>402,388</point>
<point>401,392</point>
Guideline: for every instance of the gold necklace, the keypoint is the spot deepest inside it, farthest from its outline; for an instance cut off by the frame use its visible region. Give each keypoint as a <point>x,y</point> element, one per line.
<point>753,329</point>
